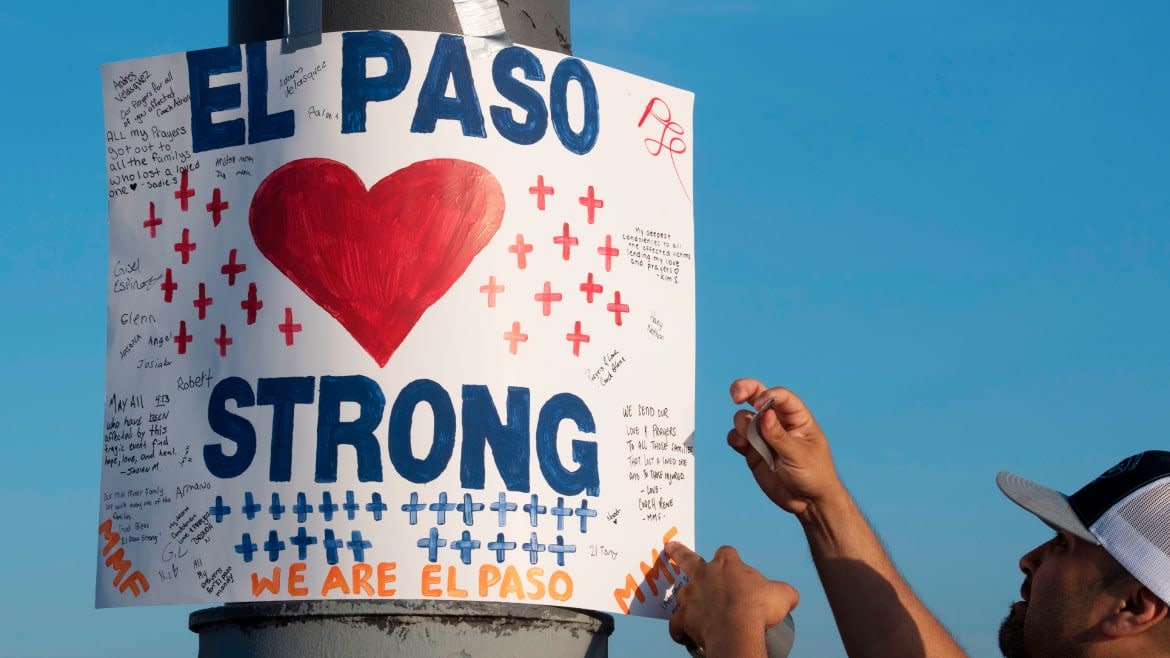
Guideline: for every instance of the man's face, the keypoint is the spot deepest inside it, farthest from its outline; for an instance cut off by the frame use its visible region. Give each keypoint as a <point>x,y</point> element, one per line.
<point>1063,602</point>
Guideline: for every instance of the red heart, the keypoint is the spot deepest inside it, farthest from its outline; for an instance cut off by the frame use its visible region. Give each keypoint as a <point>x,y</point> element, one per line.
<point>375,260</point>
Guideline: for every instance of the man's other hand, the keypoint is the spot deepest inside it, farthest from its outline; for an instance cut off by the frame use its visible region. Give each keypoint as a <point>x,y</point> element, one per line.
<point>726,606</point>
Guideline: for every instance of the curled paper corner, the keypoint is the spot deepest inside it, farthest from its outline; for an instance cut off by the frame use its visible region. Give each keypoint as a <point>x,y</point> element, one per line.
<point>670,596</point>
<point>689,442</point>
<point>483,24</point>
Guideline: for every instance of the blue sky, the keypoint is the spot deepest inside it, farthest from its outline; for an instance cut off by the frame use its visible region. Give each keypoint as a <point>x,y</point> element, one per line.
<point>945,224</point>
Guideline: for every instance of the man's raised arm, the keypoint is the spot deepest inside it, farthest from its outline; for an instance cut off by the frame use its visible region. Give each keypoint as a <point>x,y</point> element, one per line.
<point>877,613</point>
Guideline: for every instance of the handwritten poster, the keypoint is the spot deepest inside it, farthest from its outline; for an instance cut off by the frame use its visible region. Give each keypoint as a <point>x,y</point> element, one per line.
<point>389,320</point>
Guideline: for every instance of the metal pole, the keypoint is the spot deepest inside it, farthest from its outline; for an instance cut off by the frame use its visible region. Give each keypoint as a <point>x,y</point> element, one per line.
<point>389,628</point>
<point>536,23</point>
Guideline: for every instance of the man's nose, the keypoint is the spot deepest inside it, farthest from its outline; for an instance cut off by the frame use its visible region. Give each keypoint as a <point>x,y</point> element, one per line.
<point>1030,560</point>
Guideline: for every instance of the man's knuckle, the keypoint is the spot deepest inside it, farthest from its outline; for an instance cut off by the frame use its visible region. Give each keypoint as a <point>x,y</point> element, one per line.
<point>726,553</point>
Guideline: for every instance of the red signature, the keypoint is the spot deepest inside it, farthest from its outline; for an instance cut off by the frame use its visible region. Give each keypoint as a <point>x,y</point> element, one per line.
<point>669,140</point>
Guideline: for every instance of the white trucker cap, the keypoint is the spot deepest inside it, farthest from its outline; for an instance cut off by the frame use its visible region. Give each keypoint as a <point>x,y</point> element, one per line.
<point>1126,510</point>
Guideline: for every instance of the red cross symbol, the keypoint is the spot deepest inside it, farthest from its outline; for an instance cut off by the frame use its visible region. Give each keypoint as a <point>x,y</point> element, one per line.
<point>591,203</point>
<point>521,249</point>
<point>182,338</point>
<point>153,222</point>
<point>576,338</point>
<point>216,207</point>
<point>232,268</point>
<point>184,193</point>
<point>202,302</point>
<point>223,341</point>
<point>168,287</point>
<point>288,328</point>
<point>185,246</point>
<point>540,191</point>
<point>547,297</point>
<point>491,289</point>
<point>514,336</point>
<point>252,304</point>
<point>609,251</point>
<point>589,288</point>
<point>565,240</point>
<point>617,307</point>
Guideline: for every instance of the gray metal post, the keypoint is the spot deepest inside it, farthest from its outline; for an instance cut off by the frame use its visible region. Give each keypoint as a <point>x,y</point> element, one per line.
<point>397,629</point>
<point>390,628</point>
<point>537,23</point>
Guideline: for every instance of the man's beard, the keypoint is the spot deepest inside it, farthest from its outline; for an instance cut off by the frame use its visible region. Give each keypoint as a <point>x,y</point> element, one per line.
<point>1011,632</point>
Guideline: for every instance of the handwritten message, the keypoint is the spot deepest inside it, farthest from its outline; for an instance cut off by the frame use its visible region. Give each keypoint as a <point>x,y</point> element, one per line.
<point>657,252</point>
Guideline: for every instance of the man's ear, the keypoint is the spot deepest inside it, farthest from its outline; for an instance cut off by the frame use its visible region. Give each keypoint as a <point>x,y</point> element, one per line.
<point>1141,610</point>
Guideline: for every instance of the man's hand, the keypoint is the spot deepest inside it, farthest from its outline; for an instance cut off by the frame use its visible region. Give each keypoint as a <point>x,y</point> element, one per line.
<point>726,606</point>
<point>804,467</point>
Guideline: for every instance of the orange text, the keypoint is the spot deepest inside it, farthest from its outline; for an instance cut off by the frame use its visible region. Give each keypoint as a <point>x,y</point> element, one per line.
<point>116,560</point>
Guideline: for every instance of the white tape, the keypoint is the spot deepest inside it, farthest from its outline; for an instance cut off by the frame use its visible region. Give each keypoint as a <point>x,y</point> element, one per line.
<point>757,440</point>
<point>302,24</point>
<point>481,20</point>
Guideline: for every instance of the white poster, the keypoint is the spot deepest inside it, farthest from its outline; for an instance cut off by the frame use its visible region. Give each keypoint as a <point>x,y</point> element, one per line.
<point>389,320</point>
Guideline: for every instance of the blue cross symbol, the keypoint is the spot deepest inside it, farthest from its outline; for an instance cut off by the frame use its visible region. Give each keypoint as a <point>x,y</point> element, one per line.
<point>219,510</point>
<point>251,507</point>
<point>560,511</point>
<point>246,547</point>
<point>500,546</point>
<point>533,547</point>
<point>350,506</point>
<point>376,507</point>
<point>331,545</point>
<point>442,507</point>
<point>414,507</point>
<point>302,509</point>
<point>468,508</point>
<point>358,545</point>
<point>465,546</point>
<point>585,513</point>
<point>302,541</point>
<point>533,509</point>
<point>560,548</point>
<point>327,506</point>
<point>503,507</point>
<point>274,546</point>
<point>432,543</point>
<point>275,509</point>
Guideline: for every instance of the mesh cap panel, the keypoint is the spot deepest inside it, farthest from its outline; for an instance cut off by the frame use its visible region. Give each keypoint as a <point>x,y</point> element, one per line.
<point>1136,532</point>
<point>1149,514</point>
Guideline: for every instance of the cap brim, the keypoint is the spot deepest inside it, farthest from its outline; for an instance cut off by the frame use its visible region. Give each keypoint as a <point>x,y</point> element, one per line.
<point>1049,505</point>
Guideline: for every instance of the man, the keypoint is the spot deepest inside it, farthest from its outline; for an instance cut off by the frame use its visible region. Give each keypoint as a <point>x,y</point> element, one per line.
<point>1098,588</point>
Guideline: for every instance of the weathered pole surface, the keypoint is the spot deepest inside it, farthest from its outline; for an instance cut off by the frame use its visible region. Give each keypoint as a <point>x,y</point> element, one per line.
<point>391,628</point>
<point>397,629</point>
<point>536,23</point>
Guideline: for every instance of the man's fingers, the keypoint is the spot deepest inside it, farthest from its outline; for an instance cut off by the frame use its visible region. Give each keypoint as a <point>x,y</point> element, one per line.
<point>764,475</point>
<point>726,553</point>
<point>790,408</point>
<point>755,392</point>
<point>782,599</point>
<point>772,430</point>
<point>741,420</point>
<point>737,442</point>
<point>678,632</point>
<point>745,389</point>
<point>689,561</point>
